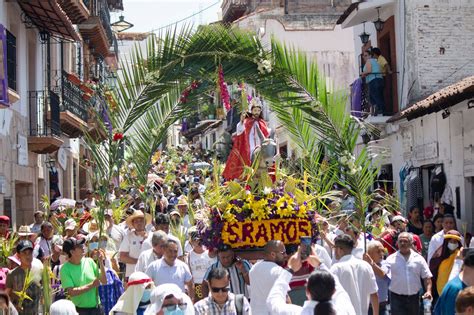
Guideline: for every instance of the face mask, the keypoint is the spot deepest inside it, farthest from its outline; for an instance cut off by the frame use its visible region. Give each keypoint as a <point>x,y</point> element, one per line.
<point>80,210</point>
<point>146,296</point>
<point>177,311</point>
<point>452,246</point>
<point>93,245</point>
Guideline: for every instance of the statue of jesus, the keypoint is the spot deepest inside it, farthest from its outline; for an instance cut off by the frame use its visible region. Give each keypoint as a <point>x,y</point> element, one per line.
<point>246,140</point>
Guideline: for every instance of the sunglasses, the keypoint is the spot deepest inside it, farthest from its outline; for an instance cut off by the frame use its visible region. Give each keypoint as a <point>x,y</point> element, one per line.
<point>173,307</point>
<point>217,290</point>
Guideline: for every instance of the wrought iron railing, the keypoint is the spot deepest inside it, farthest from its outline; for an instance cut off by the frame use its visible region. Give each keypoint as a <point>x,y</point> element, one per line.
<point>42,104</point>
<point>100,8</point>
<point>72,98</point>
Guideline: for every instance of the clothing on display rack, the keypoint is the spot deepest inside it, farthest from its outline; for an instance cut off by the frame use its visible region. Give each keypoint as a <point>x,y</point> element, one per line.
<point>437,183</point>
<point>404,171</point>
<point>447,196</point>
<point>414,189</point>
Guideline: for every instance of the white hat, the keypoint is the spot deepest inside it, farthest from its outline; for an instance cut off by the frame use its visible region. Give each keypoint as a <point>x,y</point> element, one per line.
<point>70,224</point>
<point>63,307</point>
<point>129,300</point>
<point>398,218</point>
<point>158,296</point>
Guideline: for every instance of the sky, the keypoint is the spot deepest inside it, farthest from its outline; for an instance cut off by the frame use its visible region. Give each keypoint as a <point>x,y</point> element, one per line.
<point>147,15</point>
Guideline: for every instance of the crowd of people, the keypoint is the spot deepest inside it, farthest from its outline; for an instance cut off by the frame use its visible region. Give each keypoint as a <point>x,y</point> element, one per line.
<point>387,264</point>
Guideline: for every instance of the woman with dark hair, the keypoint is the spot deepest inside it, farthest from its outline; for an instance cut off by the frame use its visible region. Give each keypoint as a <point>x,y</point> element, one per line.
<point>438,222</point>
<point>374,79</point>
<point>320,287</point>
<point>415,223</point>
<point>443,260</point>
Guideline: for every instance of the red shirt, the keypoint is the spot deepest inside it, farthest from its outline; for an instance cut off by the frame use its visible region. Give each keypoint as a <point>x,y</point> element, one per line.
<point>389,243</point>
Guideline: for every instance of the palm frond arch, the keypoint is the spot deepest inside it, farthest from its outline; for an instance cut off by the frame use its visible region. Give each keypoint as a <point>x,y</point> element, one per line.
<point>148,93</point>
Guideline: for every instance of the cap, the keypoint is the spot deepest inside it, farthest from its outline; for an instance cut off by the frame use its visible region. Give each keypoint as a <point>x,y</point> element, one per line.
<point>398,218</point>
<point>224,248</point>
<point>469,257</point>
<point>24,245</point>
<point>109,212</point>
<point>4,219</point>
<point>72,242</point>
<point>70,224</point>
<point>15,259</point>
<point>159,294</point>
<point>174,212</point>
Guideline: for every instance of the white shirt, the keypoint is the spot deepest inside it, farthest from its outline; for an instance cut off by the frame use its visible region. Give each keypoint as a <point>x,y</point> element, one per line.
<point>132,244</point>
<point>145,259</point>
<point>199,263</point>
<point>358,279</point>
<point>406,274</point>
<point>276,301</point>
<point>262,277</point>
<point>160,272</point>
<point>147,243</point>
<point>323,255</point>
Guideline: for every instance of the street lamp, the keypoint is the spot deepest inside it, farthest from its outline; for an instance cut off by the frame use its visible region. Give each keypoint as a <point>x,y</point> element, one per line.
<point>364,37</point>
<point>51,164</point>
<point>121,25</point>
<point>378,23</point>
<point>44,36</point>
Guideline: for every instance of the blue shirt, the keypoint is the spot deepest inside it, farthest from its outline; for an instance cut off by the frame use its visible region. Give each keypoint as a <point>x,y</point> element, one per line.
<point>160,272</point>
<point>377,72</point>
<point>447,301</point>
<point>109,293</point>
<point>384,282</point>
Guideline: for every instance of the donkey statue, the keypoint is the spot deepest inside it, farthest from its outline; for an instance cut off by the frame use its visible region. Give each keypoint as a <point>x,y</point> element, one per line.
<point>266,154</point>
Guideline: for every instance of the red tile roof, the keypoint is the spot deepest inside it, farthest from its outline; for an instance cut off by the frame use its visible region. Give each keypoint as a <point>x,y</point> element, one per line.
<point>444,98</point>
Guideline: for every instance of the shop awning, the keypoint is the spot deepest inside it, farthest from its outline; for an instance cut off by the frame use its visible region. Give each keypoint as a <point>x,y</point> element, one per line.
<point>49,16</point>
<point>360,12</point>
<point>444,98</point>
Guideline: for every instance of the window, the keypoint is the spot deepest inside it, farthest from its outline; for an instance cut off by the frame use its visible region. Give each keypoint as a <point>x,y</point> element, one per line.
<point>11,60</point>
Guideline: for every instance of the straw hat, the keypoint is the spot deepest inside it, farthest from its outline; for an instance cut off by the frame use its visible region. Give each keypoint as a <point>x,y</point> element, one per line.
<point>182,201</point>
<point>24,230</point>
<point>138,214</point>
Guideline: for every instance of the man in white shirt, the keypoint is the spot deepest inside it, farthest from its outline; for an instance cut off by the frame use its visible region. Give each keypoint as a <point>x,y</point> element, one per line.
<point>162,223</point>
<point>356,276</point>
<point>276,301</point>
<point>406,268</point>
<point>39,219</point>
<point>264,274</point>
<point>171,270</point>
<point>449,223</point>
<point>132,243</point>
<point>158,241</point>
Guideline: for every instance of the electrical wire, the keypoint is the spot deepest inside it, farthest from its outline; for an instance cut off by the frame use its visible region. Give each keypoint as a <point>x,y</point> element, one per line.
<point>184,19</point>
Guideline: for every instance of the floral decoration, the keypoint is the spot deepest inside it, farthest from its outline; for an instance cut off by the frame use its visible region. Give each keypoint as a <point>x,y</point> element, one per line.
<point>267,204</point>
<point>225,96</point>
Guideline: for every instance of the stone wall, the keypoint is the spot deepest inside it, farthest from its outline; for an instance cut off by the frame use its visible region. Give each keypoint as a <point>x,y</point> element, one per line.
<point>439,44</point>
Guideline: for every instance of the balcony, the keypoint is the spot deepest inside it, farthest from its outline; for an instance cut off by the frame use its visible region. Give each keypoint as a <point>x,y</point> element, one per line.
<point>44,133</point>
<point>76,10</point>
<point>97,28</point>
<point>233,9</point>
<point>96,129</point>
<point>74,105</point>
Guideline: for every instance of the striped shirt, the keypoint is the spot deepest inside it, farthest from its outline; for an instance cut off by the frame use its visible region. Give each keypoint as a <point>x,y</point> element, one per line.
<point>237,281</point>
<point>207,306</point>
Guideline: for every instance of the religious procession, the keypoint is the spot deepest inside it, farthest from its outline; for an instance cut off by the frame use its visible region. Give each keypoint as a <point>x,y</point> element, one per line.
<point>223,170</point>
